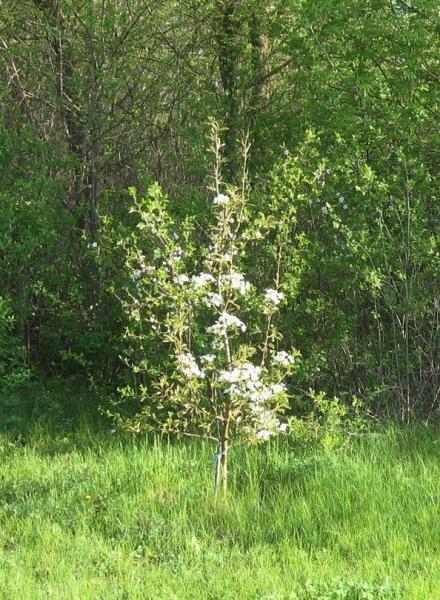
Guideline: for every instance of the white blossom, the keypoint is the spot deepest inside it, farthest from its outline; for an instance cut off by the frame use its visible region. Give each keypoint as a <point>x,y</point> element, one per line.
<point>277,388</point>
<point>181,279</point>
<point>225,322</point>
<point>221,199</point>
<point>175,257</point>
<point>207,358</point>
<point>263,394</point>
<point>283,358</point>
<point>213,299</point>
<point>266,423</point>
<point>202,280</point>
<point>237,282</point>
<point>136,274</point>
<point>283,427</point>
<point>189,366</point>
<point>273,297</point>
<point>242,373</point>
<point>263,434</point>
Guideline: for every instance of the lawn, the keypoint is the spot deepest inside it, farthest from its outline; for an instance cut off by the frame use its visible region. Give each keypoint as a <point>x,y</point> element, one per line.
<point>97,515</point>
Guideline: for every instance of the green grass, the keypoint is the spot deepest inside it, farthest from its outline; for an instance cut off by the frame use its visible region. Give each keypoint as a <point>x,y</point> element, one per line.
<point>96,516</point>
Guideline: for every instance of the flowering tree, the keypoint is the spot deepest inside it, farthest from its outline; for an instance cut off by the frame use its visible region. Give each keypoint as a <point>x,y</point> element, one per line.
<point>223,375</point>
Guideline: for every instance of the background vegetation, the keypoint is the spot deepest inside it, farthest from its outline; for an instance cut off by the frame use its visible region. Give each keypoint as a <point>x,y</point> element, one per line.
<point>100,96</point>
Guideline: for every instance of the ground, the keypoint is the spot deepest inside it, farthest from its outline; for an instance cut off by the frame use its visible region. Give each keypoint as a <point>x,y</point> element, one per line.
<point>98,515</point>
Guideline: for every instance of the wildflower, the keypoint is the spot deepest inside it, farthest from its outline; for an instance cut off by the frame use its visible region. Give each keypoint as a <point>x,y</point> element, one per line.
<point>286,153</point>
<point>283,427</point>
<point>221,199</point>
<point>273,297</point>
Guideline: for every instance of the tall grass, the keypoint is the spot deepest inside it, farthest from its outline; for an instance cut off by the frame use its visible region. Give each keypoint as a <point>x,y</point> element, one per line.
<point>92,515</point>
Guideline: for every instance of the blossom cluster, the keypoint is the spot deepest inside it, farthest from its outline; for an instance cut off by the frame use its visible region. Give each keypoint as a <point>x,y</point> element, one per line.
<point>244,372</point>
<point>198,282</point>
<point>213,299</point>
<point>207,359</point>
<point>247,385</point>
<point>181,279</point>
<point>189,366</point>
<point>221,199</point>
<point>225,322</point>
<point>237,282</point>
<point>202,280</point>
<point>273,297</point>
<point>342,201</point>
<point>283,358</point>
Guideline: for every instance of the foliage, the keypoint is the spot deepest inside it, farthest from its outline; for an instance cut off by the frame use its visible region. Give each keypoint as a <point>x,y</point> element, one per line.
<point>14,372</point>
<point>339,103</point>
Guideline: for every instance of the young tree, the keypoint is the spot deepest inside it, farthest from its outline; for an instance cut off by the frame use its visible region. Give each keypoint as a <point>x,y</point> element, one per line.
<point>222,375</point>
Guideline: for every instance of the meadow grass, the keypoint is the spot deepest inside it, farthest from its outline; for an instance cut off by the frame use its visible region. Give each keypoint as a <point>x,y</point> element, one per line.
<point>95,515</point>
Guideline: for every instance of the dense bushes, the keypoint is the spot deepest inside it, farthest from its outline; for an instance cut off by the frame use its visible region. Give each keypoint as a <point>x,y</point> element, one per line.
<point>339,104</point>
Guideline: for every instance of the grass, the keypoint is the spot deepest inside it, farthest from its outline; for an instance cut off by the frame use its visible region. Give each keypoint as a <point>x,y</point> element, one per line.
<point>93,515</point>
